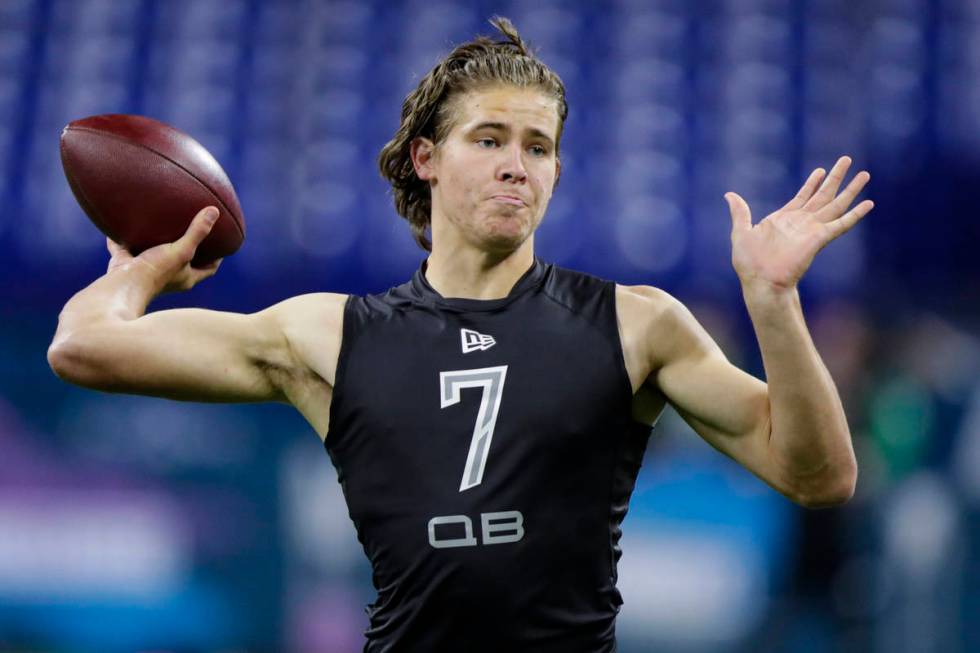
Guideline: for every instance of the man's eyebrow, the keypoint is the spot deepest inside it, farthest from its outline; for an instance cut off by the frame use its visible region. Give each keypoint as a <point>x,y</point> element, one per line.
<point>533,131</point>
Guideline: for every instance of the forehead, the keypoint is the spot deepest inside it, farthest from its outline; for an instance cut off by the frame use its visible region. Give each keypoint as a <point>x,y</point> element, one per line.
<point>520,108</point>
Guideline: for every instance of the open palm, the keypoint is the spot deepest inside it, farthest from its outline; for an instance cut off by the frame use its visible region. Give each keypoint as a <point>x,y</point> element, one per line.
<point>780,248</point>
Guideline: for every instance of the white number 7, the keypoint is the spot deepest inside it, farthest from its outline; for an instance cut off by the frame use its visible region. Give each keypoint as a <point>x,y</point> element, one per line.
<point>491,380</point>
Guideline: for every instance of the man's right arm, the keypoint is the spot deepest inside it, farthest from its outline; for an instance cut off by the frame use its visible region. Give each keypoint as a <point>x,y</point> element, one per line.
<point>106,342</point>
<point>189,354</point>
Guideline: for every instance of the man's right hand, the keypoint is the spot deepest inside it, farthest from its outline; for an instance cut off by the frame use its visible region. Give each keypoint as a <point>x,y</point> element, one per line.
<point>168,267</point>
<point>106,340</point>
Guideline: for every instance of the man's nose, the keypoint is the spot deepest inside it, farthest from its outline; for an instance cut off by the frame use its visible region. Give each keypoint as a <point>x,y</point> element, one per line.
<point>512,167</point>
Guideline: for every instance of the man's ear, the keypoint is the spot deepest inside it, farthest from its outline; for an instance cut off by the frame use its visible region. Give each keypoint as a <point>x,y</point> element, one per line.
<point>557,171</point>
<point>422,151</point>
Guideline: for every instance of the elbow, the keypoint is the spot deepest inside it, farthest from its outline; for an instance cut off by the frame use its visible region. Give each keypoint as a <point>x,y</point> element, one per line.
<point>63,359</point>
<point>830,493</point>
<point>829,500</point>
<point>59,351</point>
<point>73,363</point>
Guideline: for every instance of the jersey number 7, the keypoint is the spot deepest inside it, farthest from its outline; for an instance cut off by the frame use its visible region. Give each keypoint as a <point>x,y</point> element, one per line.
<point>491,381</point>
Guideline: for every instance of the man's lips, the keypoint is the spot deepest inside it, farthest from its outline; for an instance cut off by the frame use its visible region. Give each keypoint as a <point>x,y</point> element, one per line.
<point>509,199</point>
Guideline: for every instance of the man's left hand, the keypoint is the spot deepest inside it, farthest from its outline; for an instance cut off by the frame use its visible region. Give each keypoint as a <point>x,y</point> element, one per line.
<point>777,251</point>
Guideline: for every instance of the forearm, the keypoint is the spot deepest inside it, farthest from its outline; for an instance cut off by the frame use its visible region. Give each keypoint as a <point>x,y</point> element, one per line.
<point>85,325</point>
<point>809,433</point>
<point>121,294</point>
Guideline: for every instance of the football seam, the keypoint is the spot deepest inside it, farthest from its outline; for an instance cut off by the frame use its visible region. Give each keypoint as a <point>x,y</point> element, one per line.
<point>167,158</point>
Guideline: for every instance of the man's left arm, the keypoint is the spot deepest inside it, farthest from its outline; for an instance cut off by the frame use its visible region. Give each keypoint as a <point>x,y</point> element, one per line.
<point>790,431</point>
<point>809,438</point>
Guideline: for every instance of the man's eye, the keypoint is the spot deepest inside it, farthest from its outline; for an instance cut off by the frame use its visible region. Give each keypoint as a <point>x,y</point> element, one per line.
<point>538,150</point>
<point>482,141</point>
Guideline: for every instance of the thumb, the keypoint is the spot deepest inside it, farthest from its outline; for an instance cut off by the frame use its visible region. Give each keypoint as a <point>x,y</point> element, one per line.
<point>741,215</point>
<point>114,247</point>
<point>200,227</point>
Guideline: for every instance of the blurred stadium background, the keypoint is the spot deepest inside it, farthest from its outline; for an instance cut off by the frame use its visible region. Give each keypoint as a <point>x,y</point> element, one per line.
<point>134,524</point>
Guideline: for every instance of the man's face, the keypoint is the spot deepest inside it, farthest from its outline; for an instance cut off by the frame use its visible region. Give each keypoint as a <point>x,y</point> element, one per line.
<point>493,176</point>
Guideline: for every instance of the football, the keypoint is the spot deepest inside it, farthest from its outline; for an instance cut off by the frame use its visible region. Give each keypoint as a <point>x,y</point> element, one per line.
<point>142,181</point>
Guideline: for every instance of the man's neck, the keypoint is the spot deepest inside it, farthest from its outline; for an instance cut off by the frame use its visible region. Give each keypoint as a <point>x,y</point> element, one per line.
<point>473,274</point>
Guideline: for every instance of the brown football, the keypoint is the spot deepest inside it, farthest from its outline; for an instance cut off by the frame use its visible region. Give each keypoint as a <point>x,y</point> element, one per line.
<point>142,181</point>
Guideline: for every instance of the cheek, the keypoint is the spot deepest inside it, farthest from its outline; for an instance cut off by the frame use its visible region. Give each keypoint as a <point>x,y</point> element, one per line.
<point>544,183</point>
<point>466,184</point>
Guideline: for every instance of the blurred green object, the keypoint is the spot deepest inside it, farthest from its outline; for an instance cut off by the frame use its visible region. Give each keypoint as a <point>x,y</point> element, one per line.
<point>901,417</point>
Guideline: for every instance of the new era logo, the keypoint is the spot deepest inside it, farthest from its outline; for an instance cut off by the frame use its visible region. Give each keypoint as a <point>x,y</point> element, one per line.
<point>474,340</point>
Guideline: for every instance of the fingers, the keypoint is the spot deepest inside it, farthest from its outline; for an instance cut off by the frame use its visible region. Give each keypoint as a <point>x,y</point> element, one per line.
<point>118,254</point>
<point>212,266</point>
<point>833,210</point>
<point>806,191</point>
<point>741,214</point>
<point>843,224</point>
<point>197,275</point>
<point>207,270</point>
<point>830,185</point>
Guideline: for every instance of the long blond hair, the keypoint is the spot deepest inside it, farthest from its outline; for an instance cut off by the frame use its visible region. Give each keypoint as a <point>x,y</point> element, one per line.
<point>428,111</point>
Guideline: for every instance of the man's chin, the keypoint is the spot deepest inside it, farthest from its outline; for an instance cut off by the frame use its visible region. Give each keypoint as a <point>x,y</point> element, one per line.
<point>502,241</point>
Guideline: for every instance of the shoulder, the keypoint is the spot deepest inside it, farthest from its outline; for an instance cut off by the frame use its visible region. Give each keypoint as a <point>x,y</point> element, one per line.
<point>312,309</point>
<point>639,310</point>
<point>660,320</point>
<point>645,303</point>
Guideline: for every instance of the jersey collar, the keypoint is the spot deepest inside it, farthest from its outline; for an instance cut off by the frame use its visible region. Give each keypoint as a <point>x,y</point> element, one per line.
<point>428,295</point>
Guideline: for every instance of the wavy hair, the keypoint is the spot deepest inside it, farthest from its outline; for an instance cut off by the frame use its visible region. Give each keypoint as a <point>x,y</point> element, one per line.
<point>429,111</point>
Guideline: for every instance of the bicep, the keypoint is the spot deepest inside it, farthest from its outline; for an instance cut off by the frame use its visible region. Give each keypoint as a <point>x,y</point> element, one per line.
<point>726,406</point>
<point>187,354</point>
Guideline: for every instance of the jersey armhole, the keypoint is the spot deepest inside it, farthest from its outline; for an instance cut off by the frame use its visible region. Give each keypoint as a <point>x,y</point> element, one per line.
<point>624,376</point>
<point>347,333</point>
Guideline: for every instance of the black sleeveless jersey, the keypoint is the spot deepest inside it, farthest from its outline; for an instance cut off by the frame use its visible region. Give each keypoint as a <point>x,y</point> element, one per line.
<point>487,454</point>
